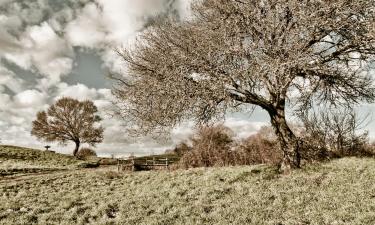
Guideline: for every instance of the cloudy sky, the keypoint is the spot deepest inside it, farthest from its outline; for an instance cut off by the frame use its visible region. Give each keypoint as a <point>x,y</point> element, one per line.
<point>55,48</point>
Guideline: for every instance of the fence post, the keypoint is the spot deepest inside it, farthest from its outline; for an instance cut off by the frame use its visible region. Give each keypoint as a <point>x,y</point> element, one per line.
<point>118,165</point>
<point>166,163</point>
<point>133,164</point>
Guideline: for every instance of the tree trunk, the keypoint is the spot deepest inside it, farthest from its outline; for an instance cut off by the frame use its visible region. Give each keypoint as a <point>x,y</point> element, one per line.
<point>287,140</point>
<point>77,148</point>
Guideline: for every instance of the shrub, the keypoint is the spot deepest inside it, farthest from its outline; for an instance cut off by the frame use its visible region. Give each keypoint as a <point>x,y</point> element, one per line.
<point>88,165</point>
<point>214,146</point>
<point>333,135</point>
<point>211,147</point>
<point>107,161</point>
<point>181,149</point>
<point>259,149</point>
<point>85,153</point>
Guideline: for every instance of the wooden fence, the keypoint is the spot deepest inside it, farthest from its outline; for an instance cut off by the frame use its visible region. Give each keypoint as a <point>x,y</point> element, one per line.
<point>139,164</point>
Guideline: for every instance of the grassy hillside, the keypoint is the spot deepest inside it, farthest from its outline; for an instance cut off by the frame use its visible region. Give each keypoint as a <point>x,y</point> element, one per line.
<point>338,192</point>
<point>16,159</point>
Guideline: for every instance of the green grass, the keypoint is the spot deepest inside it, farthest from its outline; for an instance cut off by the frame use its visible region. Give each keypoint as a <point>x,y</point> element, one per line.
<point>339,192</point>
<point>14,160</point>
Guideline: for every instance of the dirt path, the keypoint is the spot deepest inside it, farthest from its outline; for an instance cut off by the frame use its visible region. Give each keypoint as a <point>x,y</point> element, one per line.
<point>29,176</point>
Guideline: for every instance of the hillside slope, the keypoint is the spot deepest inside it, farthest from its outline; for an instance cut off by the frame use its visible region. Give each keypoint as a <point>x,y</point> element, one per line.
<point>16,159</point>
<point>339,192</point>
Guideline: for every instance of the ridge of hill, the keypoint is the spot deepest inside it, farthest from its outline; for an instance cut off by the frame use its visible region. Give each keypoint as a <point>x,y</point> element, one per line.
<point>15,160</point>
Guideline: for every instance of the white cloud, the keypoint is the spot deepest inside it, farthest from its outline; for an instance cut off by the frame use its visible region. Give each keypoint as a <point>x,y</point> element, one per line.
<point>243,128</point>
<point>44,51</point>
<point>9,79</point>
<point>78,91</point>
<point>7,41</point>
<point>29,99</point>
<point>87,29</point>
<point>5,102</point>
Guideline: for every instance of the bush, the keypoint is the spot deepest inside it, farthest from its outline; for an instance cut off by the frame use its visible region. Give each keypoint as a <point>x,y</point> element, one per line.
<point>85,153</point>
<point>321,137</point>
<point>334,135</point>
<point>261,148</point>
<point>107,161</point>
<point>88,165</point>
<point>214,146</point>
<point>211,147</point>
<point>181,149</point>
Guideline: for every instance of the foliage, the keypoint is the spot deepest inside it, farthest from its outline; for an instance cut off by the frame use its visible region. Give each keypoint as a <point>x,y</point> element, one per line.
<point>260,148</point>
<point>211,147</point>
<point>334,134</point>
<point>214,146</point>
<point>69,120</point>
<point>85,153</point>
<point>181,149</point>
<point>262,53</point>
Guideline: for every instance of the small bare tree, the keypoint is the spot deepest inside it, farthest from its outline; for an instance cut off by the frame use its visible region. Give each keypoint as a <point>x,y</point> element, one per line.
<point>69,120</point>
<point>244,52</point>
<point>338,132</point>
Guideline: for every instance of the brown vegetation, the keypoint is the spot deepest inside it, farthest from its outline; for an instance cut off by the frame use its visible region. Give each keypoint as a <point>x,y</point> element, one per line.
<point>85,153</point>
<point>334,135</point>
<point>214,146</point>
<point>250,53</point>
<point>69,120</point>
<point>260,148</point>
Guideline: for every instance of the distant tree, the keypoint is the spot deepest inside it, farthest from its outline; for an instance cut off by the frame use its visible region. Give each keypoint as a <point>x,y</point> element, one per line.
<point>69,120</point>
<point>262,53</point>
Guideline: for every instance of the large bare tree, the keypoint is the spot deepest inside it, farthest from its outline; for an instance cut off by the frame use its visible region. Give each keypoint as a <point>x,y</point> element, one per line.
<point>69,120</point>
<point>267,53</point>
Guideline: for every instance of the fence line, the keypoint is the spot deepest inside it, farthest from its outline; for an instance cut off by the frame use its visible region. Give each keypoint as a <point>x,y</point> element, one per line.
<point>135,164</point>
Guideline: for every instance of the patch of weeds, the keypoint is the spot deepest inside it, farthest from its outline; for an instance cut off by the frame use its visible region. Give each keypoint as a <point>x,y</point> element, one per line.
<point>111,175</point>
<point>207,208</point>
<point>111,211</point>
<point>270,173</point>
<point>240,177</point>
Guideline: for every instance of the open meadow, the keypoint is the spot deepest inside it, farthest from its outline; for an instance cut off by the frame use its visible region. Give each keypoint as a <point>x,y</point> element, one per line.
<point>337,192</point>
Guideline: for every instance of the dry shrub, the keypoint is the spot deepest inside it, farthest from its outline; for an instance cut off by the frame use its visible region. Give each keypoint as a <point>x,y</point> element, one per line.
<point>322,137</point>
<point>334,135</point>
<point>259,149</point>
<point>214,146</point>
<point>371,149</point>
<point>107,161</point>
<point>211,147</point>
<point>181,149</point>
<point>85,153</point>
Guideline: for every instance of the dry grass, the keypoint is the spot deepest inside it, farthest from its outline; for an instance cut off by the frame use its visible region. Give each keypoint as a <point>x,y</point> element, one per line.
<point>338,192</point>
<point>16,160</point>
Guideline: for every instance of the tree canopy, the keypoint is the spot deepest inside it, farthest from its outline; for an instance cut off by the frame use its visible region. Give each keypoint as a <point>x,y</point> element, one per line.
<point>69,120</point>
<point>242,52</point>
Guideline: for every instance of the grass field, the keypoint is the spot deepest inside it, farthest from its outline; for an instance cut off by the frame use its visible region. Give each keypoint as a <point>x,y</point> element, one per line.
<point>17,160</point>
<point>338,192</point>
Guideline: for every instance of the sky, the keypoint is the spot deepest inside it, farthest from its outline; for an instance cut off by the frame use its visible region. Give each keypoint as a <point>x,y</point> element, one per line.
<point>55,48</point>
